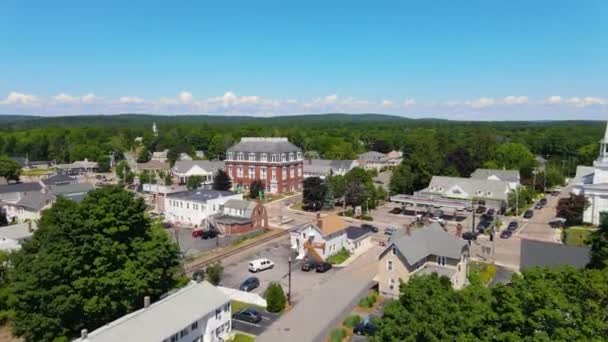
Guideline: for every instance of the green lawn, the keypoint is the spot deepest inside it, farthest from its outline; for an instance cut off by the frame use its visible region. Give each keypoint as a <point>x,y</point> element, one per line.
<point>575,236</point>
<point>242,338</point>
<point>339,257</point>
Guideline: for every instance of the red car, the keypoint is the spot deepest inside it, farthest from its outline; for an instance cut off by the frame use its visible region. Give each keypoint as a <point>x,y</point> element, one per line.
<point>197,233</point>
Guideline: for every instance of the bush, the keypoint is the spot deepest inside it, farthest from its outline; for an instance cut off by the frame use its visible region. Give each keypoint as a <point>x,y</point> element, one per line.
<point>339,257</point>
<point>275,298</point>
<point>369,300</point>
<point>214,273</point>
<point>337,335</point>
<point>351,321</point>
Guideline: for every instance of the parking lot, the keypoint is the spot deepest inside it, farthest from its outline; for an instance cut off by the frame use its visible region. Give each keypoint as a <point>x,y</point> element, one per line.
<point>255,328</point>
<point>189,245</point>
<point>302,282</point>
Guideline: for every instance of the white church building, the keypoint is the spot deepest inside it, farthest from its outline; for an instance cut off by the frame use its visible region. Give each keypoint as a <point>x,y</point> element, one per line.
<point>592,182</point>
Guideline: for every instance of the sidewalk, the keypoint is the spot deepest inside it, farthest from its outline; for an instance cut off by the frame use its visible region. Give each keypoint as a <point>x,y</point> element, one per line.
<point>312,318</point>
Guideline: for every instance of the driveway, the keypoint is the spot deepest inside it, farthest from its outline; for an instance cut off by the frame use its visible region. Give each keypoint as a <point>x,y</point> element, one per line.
<point>255,328</point>
<point>315,314</point>
<point>537,227</point>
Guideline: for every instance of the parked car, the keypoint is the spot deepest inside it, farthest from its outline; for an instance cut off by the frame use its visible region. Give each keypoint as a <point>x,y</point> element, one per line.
<point>197,233</point>
<point>396,211</point>
<point>260,265</point>
<point>249,284</point>
<point>538,206</point>
<point>389,231</point>
<point>506,234</point>
<point>557,222</point>
<point>250,315</point>
<point>528,214</point>
<point>323,267</point>
<point>309,265</point>
<point>513,225</point>
<point>483,225</point>
<point>469,236</point>
<point>209,234</point>
<point>367,327</point>
<point>543,201</point>
<point>370,227</point>
<point>556,191</point>
<point>491,212</point>
<point>480,209</point>
<point>198,274</point>
<point>167,225</point>
<point>437,219</point>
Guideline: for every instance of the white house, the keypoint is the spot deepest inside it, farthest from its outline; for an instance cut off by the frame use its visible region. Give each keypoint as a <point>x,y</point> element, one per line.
<point>510,176</point>
<point>198,312</point>
<point>592,182</point>
<point>324,167</point>
<point>320,240</point>
<point>184,169</point>
<point>495,193</point>
<point>193,207</point>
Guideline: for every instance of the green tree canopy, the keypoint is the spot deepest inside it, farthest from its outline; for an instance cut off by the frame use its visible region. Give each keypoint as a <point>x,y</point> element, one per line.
<point>257,189</point>
<point>89,263</point>
<point>9,168</point>
<point>514,156</point>
<point>194,182</point>
<point>313,193</point>
<point>599,244</point>
<point>275,297</point>
<point>221,181</point>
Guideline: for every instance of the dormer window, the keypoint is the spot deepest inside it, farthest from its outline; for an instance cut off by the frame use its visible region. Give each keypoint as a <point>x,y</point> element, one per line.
<point>291,156</point>
<point>273,158</point>
<point>229,156</point>
<point>283,157</point>
<point>479,192</point>
<point>263,157</point>
<point>489,193</point>
<point>299,155</point>
<point>240,156</point>
<point>252,157</point>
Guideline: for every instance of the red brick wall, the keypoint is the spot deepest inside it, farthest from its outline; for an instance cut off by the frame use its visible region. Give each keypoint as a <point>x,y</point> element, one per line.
<point>284,185</point>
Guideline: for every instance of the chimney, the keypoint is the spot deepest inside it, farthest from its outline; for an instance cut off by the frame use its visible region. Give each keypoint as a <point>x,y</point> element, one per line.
<point>319,221</point>
<point>84,333</point>
<point>146,301</point>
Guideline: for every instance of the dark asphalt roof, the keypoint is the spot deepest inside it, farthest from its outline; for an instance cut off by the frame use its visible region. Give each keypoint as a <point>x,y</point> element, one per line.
<point>20,187</point>
<point>355,233</point>
<point>58,178</point>
<point>549,254</point>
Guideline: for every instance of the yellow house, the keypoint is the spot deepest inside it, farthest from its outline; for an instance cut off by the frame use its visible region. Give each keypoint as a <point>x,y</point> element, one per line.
<point>427,250</point>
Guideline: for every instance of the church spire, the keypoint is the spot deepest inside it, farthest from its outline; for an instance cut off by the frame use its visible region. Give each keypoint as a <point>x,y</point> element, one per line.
<point>606,133</point>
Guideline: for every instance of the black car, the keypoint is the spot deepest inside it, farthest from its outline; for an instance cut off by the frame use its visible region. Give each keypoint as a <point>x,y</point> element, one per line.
<point>323,267</point>
<point>506,234</point>
<point>480,210</point>
<point>513,225</point>
<point>250,315</point>
<point>538,206</point>
<point>528,214</point>
<point>309,265</point>
<point>491,212</point>
<point>250,284</point>
<point>370,227</point>
<point>543,201</point>
<point>469,236</point>
<point>208,234</point>
<point>367,327</point>
<point>483,225</point>
<point>198,275</point>
<point>396,211</point>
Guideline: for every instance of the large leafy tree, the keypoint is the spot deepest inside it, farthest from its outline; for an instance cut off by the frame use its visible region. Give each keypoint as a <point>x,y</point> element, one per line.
<point>221,181</point>
<point>402,180</point>
<point>123,172</point>
<point>9,168</point>
<point>599,245</point>
<point>513,156</point>
<point>313,193</point>
<point>572,209</point>
<point>257,189</point>
<point>194,182</point>
<point>88,264</point>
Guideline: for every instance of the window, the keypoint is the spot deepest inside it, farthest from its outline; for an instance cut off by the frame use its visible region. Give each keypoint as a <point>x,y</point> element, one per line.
<point>263,157</point>
<point>283,157</point>
<point>218,313</point>
<point>194,326</point>
<point>230,171</point>
<point>239,171</point>
<point>299,155</point>
<point>284,172</point>
<point>389,265</point>
<point>274,173</point>
<point>394,250</point>
<point>391,283</point>
<point>489,193</point>
<point>229,155</point>
<point>174,338</point>
<point>290,156</point>
<point>187,205</point>
<point>251,172</point>
<point>183,332</point>
<point>273,157</point>
<point>263,172</point>
<point>251,157</point>
<point>240,156</point>
<point>441,260</point>
<point>300,171</point>
<point>226,307</point>
<point>292,170</point>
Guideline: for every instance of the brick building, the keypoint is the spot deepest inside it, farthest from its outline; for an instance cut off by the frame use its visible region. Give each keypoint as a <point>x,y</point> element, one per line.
<point>275,161</point>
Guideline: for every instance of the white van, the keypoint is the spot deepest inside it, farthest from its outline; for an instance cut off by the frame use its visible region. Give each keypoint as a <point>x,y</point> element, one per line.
<point>260,265</point>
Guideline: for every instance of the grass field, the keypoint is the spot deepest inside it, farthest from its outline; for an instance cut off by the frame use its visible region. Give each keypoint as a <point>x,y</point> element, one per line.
<point>576,236</point>
<point>242,338</point>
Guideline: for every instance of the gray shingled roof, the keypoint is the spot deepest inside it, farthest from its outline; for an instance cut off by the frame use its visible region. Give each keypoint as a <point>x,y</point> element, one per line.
<point>323,166</point>
<point>504,175</point>
<point>239,204</point>
<point>182,166</point>
<point>70,189</point>
<point>58,178</point>
<point>549,254</point>
<point>163,318</point>
<point>35,201</point>
<point>20,187</point>
<point>372,156</point>
<point>430,240</point>
<point>200,195</point>
<point>441,184</point>
<point>268,145</point>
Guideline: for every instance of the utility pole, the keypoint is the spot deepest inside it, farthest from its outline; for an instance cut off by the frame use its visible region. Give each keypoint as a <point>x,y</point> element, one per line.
<point>534,180</point>
<point>545,175</point>
<point>289,282</point>
<point>517,202</point>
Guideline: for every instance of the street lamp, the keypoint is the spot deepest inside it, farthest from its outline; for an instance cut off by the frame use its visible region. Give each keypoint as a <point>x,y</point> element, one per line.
<point>289,282</point>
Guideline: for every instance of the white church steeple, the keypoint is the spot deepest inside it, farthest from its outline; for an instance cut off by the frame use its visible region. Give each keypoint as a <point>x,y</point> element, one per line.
<point>602,159</point>
<point>154,129</point>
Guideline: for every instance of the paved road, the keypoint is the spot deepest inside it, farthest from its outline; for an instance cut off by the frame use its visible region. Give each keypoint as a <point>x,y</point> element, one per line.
<point>324,306</point>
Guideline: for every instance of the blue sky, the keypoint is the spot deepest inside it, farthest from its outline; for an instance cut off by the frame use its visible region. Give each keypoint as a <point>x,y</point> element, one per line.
<point>450,59</point>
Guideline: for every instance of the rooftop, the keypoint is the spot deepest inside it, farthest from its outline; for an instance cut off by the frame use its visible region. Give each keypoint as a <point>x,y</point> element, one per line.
<point>35,201</point>
<point>163,318</point>
<point>429,240</point>
<point>268,145</point>
<point>20,187</point>
<point>58,178</point>
<point>182,166</point>
<point>549,254</point>
<point>356,233</point>
<point>70,189</point>
<point>504,175</point>
<point>200,195</point>
<point>496,188</point>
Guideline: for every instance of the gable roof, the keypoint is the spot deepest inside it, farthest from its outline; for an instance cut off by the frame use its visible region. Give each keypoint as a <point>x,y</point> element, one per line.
<point>429,240</point>
<point>332,224</point>
<point>20,187</point>
<point>584,174</point>
<point>163,318</point>
<point>372,156</point>
<point>549,254</point>
<point>504,175</point>
<point>183,166</point>
<point>35,201</point>
<point>498,189</point>
<point>269,145</point>
<point>323,166</point>
<point>239,204</point>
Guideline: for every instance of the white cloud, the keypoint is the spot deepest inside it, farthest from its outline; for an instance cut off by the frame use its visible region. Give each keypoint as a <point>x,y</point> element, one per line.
<point>409,102</point>
<point>64,98</point>
<point>482,102</point>
<point>131,99</point>
<point>554,100</point>
<point>16,98</point>
<point>515,100</point>
<point>387,103</point>
<point>576,101</point>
